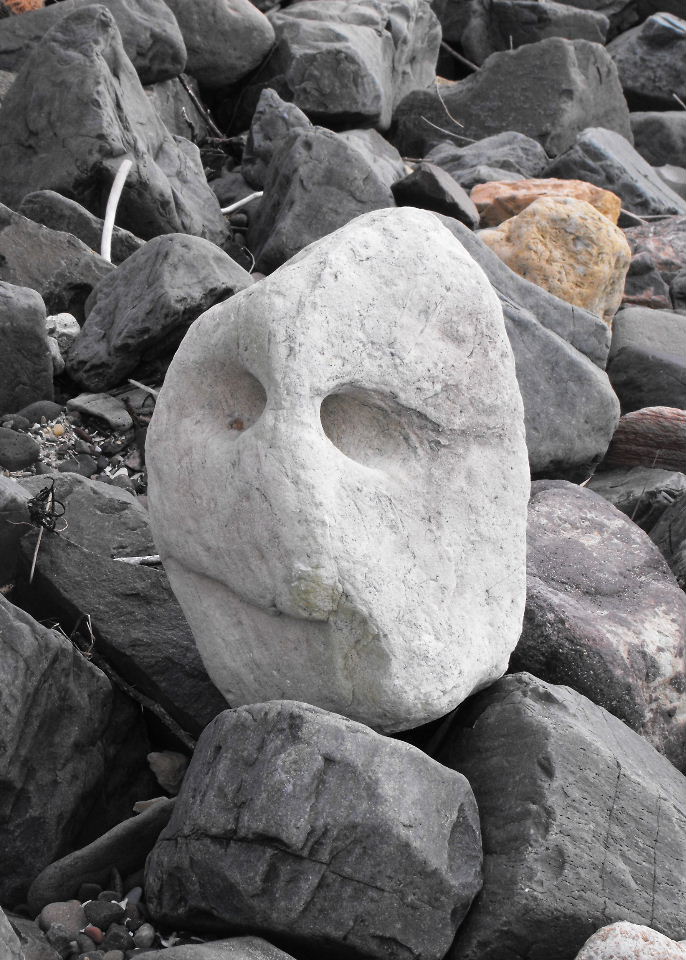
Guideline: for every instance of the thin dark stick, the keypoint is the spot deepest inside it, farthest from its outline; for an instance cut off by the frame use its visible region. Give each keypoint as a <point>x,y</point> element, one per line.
<point>458,56</point>
<point>201,108</point>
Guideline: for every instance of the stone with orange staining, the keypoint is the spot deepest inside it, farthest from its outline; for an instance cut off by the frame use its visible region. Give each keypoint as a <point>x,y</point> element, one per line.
<point>567,247</point>
<point>501,199</point>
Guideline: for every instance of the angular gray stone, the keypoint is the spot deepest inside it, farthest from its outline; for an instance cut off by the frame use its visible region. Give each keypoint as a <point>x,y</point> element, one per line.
<point>150,34</point>
<point>642,493</point>
<point>25,364</point>
<point>511,154</point>
<point>430,188</point>
<point>237,948</point>
<point>315,184</point>
<point>669,535</point>
<point>660,135</point>
<point>550,90</point>
<point>137,317</point>
<point>225,39</point>
<point>664,241</point>
<point>56,265</point>
<point>59,213</point>
<point>301,825</point>
<point>608,160</point>
<point>604,614</point>
<point>381,155</point>
<point>582,822</point>
<point>75,110</point>
<point>17,450</point>
<point>101,406</point>
<point>647,362</point>
<point>645,286</point>
<point>651,61</point>
<point>32,939</point>
<point>10,948</point>
<point>175,107</point>
<point>273,120</point>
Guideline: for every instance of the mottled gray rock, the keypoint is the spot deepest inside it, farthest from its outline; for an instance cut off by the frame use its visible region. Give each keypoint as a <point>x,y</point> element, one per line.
<point>56,265</point>
<point>176,109</point>
<point>59,213</point>
<point>664,241</point>
<point>669,535</point>
<point>75,110</point>
<point>32,940</point>
<point>604,614</point>
<point>315,184</point>
<point>298,824</point>
<point>582,822</point>
<point>431,188</point>
<point>225,39</point>
<point>10,948</point>
<point>608,160</point>
<point>647,362</point>
<point>645,286</point>
<point>660,135</point>
<point>25,364</point>
<point>150,34</point>
<point>513,154</point>
<point>136,318</point>
<point>237,948</point>
<point>381,155</point>
<point>651,61</point>
<point>550,90</point>
<point>642,493</point>
<point>273,120</point>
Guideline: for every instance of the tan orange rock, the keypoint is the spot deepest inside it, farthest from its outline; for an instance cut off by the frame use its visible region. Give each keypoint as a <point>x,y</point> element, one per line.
<point>499,200</point>
<point>567,247</point>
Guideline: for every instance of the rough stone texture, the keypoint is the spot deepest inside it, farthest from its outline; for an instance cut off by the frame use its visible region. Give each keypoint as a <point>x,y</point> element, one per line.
<point>660,136</point>
<point>32,939</point>
<point>630,941</point>
<point>329,508</point>
<point>10,948</point>
<point>570,416</point>
<point>6,81</point>
<point>13,514</point>
<point>273,121</point>
<point>56,265</point>
<point>567,247</point>
<point>175,107</point>
<point>549,90</point>
<point>76,108</point>
<point>608,160</point>
<point>652,437</point>
<point>25,364</point>
<point>381,155</point>
<point>124,847</point>
<point>430,188</point>
<point>582,823</point>
<point>139,628</point>
<point>237,948</point>
<point>645,285</point>
<point>352,63</point>
<point>677,291</point>
<point>510,151</point>
<point>315,184</point>
<point>669,535</point>
<point>136,318</point>
<point>59,213</point>
<point>651,62</point>
<point>150,34</point>
<point>17,450</point>
<point>647,362</point>
<point>642,493</point>
<point>225,39</point>
<point>498,201</point>
<point>664,241</point>
<point>304,826</point>
<point>604,614</point>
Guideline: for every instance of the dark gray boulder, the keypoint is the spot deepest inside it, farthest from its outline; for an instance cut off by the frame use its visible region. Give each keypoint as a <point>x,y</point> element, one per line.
<point>62,269</point>
<point>308,828</point>
<point>604,614</point>
<point>608,160</point>
<point>138,626</point>
<point>651,61</point>
<point>137,317</point>
<point>504,156</point>
<point>669,535</point>
<point>570,416</point>
<point>25,362</point>
<point>315,184</point>
<point>225,39</point>
<point>647,362</point>
<point>642,493</point>
<point>550,91</point>
<point>430,188</point>
<point>75,110</point>
<point>59,213</point>
<point>582,823</point>
<point>150,34</point>
<point>176,109</point>
<point>273,120</point>
<point>660,136</point>
<point>237,948</point>
<point>664,241</point>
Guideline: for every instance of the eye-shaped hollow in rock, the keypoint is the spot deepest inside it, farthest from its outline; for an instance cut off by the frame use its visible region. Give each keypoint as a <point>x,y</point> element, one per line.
<point>339,478</point>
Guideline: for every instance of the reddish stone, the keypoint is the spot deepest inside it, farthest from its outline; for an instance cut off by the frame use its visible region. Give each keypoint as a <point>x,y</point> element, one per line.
<point>665,242</point>
<point>95,933</point>
<point>651,437</point>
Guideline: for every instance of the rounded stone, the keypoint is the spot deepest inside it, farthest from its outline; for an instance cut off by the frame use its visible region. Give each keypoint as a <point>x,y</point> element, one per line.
<point>17,450</point>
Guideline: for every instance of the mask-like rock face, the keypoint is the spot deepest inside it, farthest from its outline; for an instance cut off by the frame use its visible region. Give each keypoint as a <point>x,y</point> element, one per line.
<point>339,480</point>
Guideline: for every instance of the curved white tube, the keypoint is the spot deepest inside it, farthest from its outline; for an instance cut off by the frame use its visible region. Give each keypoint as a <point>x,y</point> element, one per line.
<point>241,203</point>
<point>111,211</point>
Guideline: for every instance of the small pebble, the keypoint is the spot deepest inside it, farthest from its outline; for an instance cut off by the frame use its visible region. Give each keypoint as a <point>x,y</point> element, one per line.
<point>144,936</point>
<point>117,938</point>
<point>95,933</point>
<point>102,913</point>
<point>109,895</point>
<point>134,896</point>
<point>67,913</point>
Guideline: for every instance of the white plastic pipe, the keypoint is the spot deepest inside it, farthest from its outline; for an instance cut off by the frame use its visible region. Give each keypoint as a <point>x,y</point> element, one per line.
<point>111,211</point>
<point>241,203</point>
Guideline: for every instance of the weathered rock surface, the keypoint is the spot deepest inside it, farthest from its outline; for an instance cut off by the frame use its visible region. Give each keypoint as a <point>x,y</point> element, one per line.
<point>25,364</point>
<point>582,822</point>
<point>54,264</point>
<point>237,948</point>
<point>150,34</point>
<point>664,241</point>
<point>647,362</point>
<point>567,247</point>
<point>651,62</point>
<point>6,81</point>
<point>10,948</point>
<point>430,188</point>
<point>372,848</point>
<point>13,514</point>
<point>651,437</point>
<point>630,941</point>
<point>642,493</point>
<point>315,184</point>
<point>510,151</point>
<point>381,155</point>
<point>645,286</point>
<point>75,110</point>
<point>607,159</point>
<point>273,121</point>
<point>604,614</point>
<point>424,344</point>
<point>677,291</point>
<point>59,213</point>
<point>136,318</point>
<point>176,108</point>
<point>660,135</point>
<point>549,90</point>
<point>498,201</point>
<point>669,535</point>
